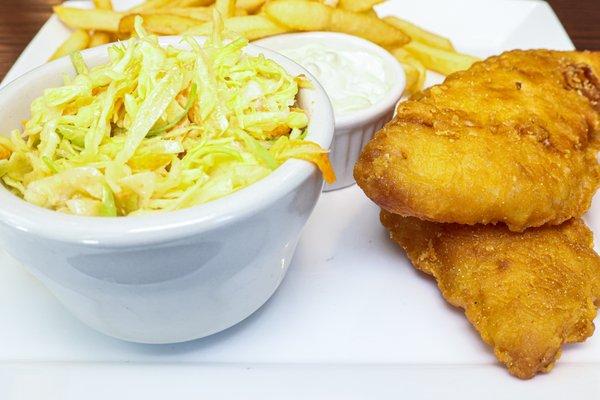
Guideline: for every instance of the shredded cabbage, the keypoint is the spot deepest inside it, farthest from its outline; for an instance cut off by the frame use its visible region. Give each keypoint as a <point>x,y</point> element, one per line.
<point>158,129</point>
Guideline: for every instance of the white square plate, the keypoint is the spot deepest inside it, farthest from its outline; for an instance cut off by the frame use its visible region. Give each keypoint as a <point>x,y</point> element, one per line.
<point>352,320</point>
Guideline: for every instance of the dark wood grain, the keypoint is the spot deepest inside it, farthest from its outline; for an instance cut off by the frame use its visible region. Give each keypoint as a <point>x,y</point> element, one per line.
<point>581,19</point>
<point>19,22</point>
<point>21,19</point>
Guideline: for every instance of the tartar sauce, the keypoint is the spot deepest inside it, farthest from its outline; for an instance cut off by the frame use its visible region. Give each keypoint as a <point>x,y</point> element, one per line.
<point>353,79</point>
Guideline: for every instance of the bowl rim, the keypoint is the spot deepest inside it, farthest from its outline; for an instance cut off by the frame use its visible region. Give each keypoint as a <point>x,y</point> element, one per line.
<point>374,111</point>
<point>172,225</point>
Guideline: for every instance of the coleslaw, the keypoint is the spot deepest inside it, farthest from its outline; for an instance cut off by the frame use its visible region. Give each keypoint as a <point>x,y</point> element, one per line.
<point>158,129</point>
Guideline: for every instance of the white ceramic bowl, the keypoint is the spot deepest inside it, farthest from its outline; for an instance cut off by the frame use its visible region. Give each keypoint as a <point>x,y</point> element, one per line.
<point>173,276</point>
<point>352,131</point>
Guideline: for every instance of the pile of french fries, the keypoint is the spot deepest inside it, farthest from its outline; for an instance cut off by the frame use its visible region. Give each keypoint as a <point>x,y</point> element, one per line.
<point>417,49</point>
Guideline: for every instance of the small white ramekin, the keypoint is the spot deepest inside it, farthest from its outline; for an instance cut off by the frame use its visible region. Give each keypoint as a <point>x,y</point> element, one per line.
<point>173,276</point>
<point>352,131</point>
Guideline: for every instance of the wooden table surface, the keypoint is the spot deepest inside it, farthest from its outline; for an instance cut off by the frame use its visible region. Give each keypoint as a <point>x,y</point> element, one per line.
<point>21,19</point>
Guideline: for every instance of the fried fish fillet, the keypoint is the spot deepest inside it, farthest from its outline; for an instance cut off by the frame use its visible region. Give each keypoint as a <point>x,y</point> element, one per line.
<point>526,293</point>
<point>513,139</point>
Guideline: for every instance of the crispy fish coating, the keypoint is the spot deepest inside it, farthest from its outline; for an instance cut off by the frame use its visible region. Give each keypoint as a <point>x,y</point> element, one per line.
<point>513,139</point>
<point>526,293</point>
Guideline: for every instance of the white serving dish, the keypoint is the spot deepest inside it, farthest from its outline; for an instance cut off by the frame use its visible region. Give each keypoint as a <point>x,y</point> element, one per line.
<point>352,131</point>
<point>167,277</point>
<point>352,320</point>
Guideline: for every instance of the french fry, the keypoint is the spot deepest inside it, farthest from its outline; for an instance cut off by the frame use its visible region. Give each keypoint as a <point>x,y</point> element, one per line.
<point>371,12</point>
<point>358,5</point>
<point>367,27</point>
<point>225,7</point>
<point>152,5</point>
<point>313,16</point>
<point>99,38</point>
<point>252,27</point>
<point>160,24</point>
<point>78,40</point>
<point>330,3</point>
<point>192,3</point>
<point>240,12</point>
<point>415,71</point>
<point>412,79</point>
<point>251,6</point>
<point>300,15</point>
<point>94,20</point>
<point>419,34</point>
<point>103,4</point>
<point>442,61</point>
<point>199,13</point>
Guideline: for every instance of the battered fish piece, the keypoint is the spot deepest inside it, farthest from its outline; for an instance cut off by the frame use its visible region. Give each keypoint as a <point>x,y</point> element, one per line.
<point>526,293</point>
<point>513,139</point>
